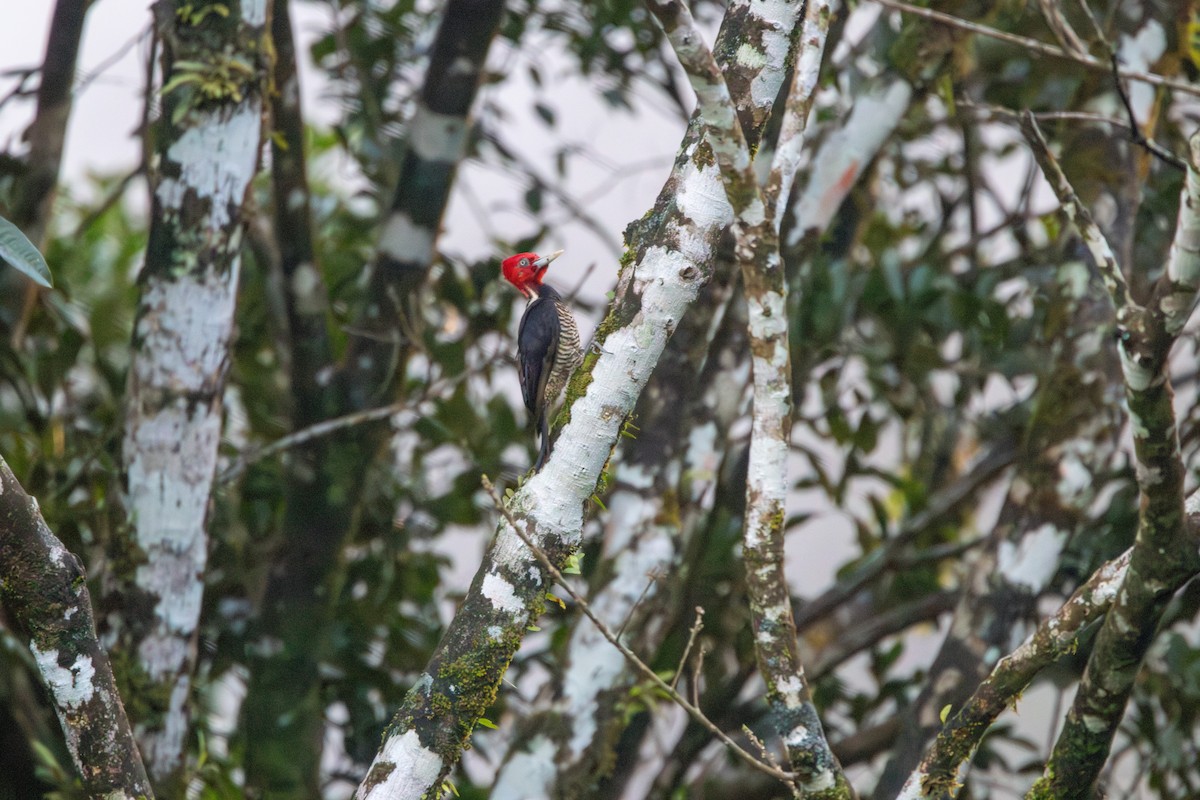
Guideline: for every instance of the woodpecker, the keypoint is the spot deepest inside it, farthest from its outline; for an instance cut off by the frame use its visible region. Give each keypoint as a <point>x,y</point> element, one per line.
<point>547,341</point>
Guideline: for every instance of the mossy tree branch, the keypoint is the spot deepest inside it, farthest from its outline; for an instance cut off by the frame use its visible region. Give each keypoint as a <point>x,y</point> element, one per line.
<point>1164,555</point>
<point>44,591</point>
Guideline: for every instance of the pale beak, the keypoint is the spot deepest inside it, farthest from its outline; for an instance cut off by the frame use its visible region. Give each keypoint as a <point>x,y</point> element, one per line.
<point>544,261</point>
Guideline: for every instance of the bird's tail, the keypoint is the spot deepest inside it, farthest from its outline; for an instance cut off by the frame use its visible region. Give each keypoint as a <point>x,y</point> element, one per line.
<point>544,435</point>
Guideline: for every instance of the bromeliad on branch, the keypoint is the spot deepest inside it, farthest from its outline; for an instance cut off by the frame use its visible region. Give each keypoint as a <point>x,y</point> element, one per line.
<point>547,341</point>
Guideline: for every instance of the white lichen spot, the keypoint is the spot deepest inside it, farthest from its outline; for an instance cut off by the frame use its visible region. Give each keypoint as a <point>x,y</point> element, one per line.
<point>217,159</point>
<point>755,212</point>
<point>1137,377</point>
<point>1121,624</point>
<point>306,289</point>
<point>1094,724</point>
<point>71,686</point>
<point>797,736</point>
<point>1147,475</point>
<point>413,769</point>
<point>822,781</point>
<point>1074,277</point>
<point>750,56</point>
<point>461,66</point>
<point>502,594</point>
<point>437,137</point>
<point>790,688</point>
<point>423,684</point>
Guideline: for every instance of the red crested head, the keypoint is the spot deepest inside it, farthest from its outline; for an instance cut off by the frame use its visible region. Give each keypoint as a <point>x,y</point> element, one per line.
<point>526,270</point>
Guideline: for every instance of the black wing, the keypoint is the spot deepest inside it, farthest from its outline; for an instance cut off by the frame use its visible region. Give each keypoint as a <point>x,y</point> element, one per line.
<point>537,340</point>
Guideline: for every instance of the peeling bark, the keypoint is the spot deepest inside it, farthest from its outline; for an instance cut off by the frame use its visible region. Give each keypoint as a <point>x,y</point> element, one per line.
<point>44,590</point>
<point>208,148</point>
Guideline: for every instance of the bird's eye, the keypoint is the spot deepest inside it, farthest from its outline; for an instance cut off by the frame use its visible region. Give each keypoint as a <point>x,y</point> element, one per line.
<point>524,262</point>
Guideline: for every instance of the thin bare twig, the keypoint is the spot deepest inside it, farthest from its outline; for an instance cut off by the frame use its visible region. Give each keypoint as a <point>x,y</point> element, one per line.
<point>692,634</point>
<point>1062,29</point>
<point>1038,47</point>
<point>1096,27</point>
<point>1106,260</point>
<point>651,578</point>
<point>1085,116</point>
<point>109,201</point>
<point>641,666</point>
<point>239,467</point>
<point>1136,134</point>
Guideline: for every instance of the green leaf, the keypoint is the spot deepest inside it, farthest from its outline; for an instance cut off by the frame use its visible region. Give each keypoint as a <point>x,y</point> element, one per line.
<point>18,251</point>
<point>487,723</point>
<point>945,713</point>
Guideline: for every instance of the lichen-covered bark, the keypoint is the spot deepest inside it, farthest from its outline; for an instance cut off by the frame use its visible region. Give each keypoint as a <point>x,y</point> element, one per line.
<point>663,477</point>
<point>436,142</point>
<point>427,735</point>
<point>1054,638</point>
<point>461,680</point>
<point>207,154</point>
<point>1164,555</point>
<point>756,249</point>
<point>1071,442</point>
<point>44,592</point>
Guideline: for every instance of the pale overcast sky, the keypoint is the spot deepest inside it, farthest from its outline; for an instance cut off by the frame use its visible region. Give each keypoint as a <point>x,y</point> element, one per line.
<point>616,186</point>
